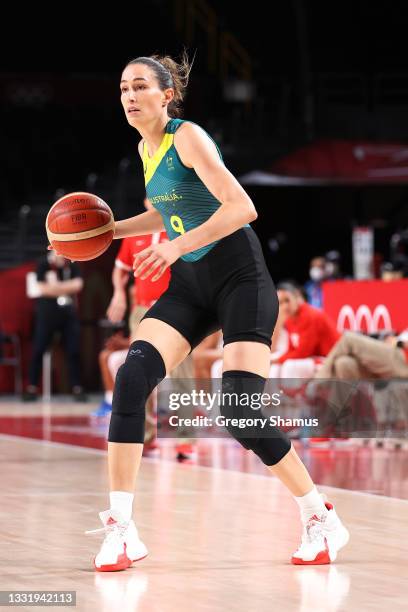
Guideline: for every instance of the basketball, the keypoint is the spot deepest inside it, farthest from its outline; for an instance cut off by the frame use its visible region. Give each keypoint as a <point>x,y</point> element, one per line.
<point>80,226</point>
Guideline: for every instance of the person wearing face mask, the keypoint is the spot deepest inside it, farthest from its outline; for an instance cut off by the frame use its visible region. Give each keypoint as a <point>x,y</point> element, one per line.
<point>313,287</point>
<point>58,281</point>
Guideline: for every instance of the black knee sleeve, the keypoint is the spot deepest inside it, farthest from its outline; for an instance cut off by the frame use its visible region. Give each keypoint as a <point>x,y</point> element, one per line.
<point>270,449</point>
<point>142,371</point>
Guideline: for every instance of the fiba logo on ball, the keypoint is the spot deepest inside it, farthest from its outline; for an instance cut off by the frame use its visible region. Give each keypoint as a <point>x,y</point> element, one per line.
<point>78,218</point>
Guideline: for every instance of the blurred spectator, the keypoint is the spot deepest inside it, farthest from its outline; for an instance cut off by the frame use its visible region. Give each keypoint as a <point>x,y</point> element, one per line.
<point>333,265</point>
<point>358,357</point>
<point>391,271</point>
<point>399,251</point>
<point>311,335</point>
<point>58,281</point>
<point>115,343</point>
<point>355,356</point>
<point>313,287</point>
<point>204,356</point>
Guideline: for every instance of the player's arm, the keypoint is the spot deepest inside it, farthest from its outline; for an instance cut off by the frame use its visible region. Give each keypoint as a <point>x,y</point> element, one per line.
<point>145,223</point>
<point>117,306</point>
<point>197,150</point>
<point>57,288</point>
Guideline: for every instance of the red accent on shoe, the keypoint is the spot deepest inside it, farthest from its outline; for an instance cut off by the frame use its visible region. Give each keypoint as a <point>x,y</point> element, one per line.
<point>140,558</point>
<point>322,558</point>
<point>186,449</point>
<point>122,563</point>
<point>111,521</point>
<point>328,505</point>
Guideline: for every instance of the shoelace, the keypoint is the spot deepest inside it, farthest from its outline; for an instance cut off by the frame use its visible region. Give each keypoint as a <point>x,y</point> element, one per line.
<point>110,530</point>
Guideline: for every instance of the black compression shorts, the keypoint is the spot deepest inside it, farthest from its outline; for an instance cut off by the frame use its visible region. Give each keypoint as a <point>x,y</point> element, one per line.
<point>230,288</point>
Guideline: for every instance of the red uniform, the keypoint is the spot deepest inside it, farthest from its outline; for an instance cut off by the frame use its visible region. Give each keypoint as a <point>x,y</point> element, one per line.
<point>311,333</point>
<point>146,291</point>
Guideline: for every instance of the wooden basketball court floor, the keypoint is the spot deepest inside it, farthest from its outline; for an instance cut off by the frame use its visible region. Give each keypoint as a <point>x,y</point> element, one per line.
<point>220,531</point>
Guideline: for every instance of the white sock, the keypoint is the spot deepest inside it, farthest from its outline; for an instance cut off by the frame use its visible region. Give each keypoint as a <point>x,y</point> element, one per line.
<point>122,501</point>
<point>108,396</point>
<point>310,504</point>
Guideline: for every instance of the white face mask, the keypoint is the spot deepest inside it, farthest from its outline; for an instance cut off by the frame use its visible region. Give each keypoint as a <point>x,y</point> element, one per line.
<point>316,273</point>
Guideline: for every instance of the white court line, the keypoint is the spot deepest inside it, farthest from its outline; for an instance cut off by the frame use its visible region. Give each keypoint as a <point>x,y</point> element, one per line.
<point>157,460</point>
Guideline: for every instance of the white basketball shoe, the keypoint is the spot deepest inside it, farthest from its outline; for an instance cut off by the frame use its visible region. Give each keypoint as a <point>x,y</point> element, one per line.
<point>121,545</point>
<point>322,538</point>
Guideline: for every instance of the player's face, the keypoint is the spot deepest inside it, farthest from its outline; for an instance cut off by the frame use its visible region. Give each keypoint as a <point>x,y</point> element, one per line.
<point>288,303</point>
<point>141,97</point>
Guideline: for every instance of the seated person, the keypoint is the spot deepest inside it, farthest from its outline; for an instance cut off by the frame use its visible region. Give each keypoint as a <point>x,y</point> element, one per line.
<point>359,357</point>
<point>311,335</point>
<point>356,356</point>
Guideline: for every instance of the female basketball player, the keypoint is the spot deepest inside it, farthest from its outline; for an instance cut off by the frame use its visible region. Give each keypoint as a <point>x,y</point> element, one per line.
<point>219,279</point>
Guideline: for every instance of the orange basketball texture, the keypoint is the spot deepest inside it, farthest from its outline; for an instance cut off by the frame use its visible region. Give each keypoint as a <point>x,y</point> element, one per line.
<point>80,226</point>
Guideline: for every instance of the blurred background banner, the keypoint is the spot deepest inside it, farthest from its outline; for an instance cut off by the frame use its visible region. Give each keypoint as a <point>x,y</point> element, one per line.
<point>369,306</point>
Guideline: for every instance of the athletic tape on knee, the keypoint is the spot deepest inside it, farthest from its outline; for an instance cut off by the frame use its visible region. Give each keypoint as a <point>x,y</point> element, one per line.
<point>142,371</point>
<point>270,449</point>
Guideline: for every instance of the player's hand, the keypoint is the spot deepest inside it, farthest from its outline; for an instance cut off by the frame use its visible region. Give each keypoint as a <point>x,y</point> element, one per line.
<point>116,308</point>
<point>155,259</point>
<point>117,342</point>
<point>51,248</point>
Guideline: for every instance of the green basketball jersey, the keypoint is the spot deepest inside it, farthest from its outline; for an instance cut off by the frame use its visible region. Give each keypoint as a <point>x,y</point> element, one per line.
<point>181,198</point>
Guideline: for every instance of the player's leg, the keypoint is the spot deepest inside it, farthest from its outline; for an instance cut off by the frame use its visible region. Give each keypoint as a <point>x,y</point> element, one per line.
<point>105,406</point>
<point>161,348</point>
<point>157,348</point>
<point>70,330</point>
<point>246,365</point>
<point>45,325</point>
<point>248,315</point>
<point>107,380</point>
<point>276,452</point>
<point>136,316</point>
<point>165,336</point>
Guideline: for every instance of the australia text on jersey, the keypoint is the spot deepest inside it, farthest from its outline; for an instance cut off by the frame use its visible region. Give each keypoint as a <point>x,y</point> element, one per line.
<point>166,197</point>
